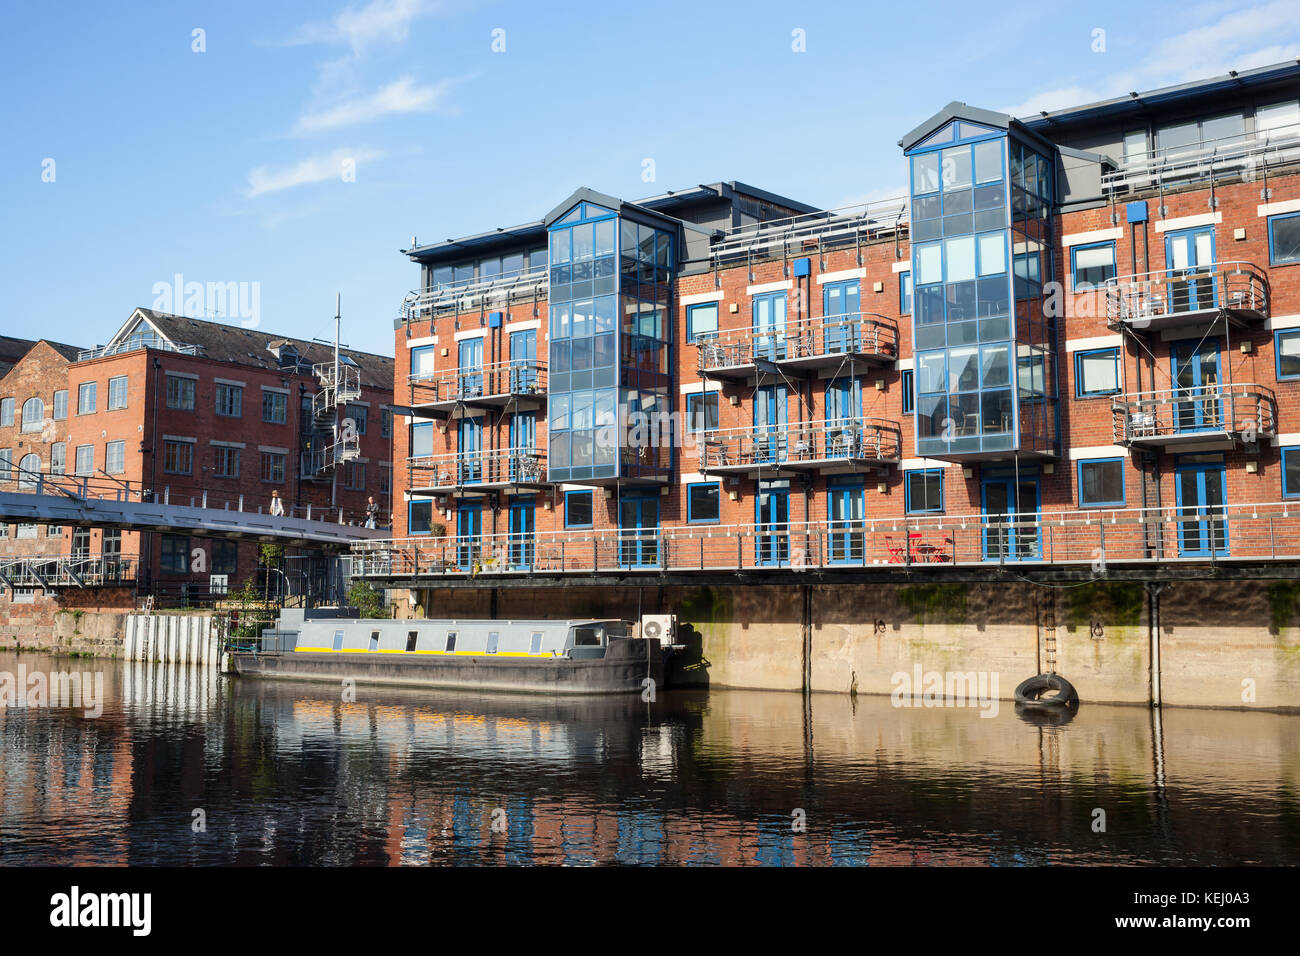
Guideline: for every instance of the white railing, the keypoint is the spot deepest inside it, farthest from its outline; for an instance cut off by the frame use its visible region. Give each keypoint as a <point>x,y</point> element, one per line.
<point>471,294</point>
<point>134,343</point>
<point>864,220</point>
<point>1217,157</point>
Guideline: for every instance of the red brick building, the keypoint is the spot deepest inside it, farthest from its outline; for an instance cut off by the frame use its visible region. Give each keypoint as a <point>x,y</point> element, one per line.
<point>177,409</point>
<point>1092,314</point>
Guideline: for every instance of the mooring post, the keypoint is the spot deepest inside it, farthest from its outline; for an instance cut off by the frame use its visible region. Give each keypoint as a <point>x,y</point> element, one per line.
<point>1153,589</point>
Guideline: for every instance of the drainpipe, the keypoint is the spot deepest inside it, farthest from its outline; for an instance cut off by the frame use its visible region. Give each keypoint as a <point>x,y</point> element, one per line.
<point>1153,590</point>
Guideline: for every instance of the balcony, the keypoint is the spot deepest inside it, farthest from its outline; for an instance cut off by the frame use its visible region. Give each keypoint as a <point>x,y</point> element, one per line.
<point>468,473</point>
<point>822,342</point>
<point>1149,301</point>
<point>448,392</point>
<point>834,447</point>
<point>1218,159</point>
<point>133,343</point>
<point>1212,415</point>
<point>853,225</point>
<point>472,295</point>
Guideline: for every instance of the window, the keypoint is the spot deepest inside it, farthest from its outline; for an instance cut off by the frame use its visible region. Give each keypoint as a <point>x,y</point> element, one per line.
<point>175,554</point>
<point>58,458</point>
<point>1091,265</point>
<point>115,457</point>
<point>1284,239</point>
<point>6,463</point>
<point>385,423</point>
<point>420,518</point>
<point>28,530</point>
<point>6,412</point>
<point>230,400</point>
<point>225,461</point>
<point>1135,146</point>
<point>494,639</point>
<point>535,643</point>
<point>909,391</point>
<point>923,490</point>
<point>358,415</point>
<point>29,470</point>
<point>354,476</point>
<point>24,596</point>
<point>180,393</point>
<point>33,415</point>
<point>1291,472</point>
<point>178,457</point>
<point>701,321</point>
<point>117,392</point>
<point>1101,483</point>
<point>1280,118</point>
<point>578,511</point>
<point>701,412</point>
<point>451,642</point>
<point>273,467</point>
<point>703,502</point>
<point>274,407</point>
<point>1096,372</point>
<point>385,479</point>
<point>87,396</point>
<point>905,293</point>
<point>60,404</point>
<point>1286,344</point>
<point>412,637</point>
<point>225,557</point>
<point>84,462</point>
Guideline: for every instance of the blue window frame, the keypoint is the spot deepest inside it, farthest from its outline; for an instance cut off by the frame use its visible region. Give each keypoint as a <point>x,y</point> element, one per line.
<point>1101,483</point>
<point>1284,239</point>
<point>704,502</point>
<point>701,412</point>
<point>1286,345</point>
<point>419,517</point>
<point>905,293</point>
<point>923,491</point>
<point>1096,372</point>
<point>579,509</point>
<point>701,320</point>
<point>1092,264</point>
<point>909,391</point>
<point>1291,472</point>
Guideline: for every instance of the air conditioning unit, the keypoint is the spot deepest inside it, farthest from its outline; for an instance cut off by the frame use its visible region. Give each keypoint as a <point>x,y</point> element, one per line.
<point>661,627</point>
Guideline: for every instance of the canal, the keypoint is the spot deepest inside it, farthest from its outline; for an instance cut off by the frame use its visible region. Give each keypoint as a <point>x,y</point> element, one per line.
<point>186,767</point>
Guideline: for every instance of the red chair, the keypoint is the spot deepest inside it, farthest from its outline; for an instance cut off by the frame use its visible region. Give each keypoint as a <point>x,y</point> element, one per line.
<point>895,551</point>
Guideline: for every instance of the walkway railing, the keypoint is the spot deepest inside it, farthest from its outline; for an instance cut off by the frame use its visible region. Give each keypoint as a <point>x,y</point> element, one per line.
<point>1156,299</point>
<point>1092,539</point>
<point>1219,158</point>
<point>473,294</point>
<point>1237,411</point>
<point>870,439</point>
<point>68,571</point>
<point>858,223</point>
<point>856,333</point>
<point>134,343</point>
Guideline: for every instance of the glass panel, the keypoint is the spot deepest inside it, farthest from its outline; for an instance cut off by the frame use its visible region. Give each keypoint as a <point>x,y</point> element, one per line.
<point>988,161</point>
<point>960,254</point>
<point>929,264</point>
<point>956,167</point>
<point>925,173</point>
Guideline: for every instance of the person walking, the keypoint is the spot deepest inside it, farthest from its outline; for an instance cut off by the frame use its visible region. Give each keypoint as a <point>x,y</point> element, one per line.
<point>277,505</point>
<point>372,512</point>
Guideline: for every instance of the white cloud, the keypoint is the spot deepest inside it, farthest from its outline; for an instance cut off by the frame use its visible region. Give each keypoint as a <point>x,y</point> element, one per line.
<point>314,169</point>
<point>403,96</point>
<point>379,20</point>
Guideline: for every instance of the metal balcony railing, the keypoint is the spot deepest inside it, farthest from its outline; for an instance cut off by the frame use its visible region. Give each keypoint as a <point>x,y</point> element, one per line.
<point>474,294</point>
<point>500,380</point>
<point>134,343</point>
<point>811,444</point>
<point>1177,296</point>
<point>67,571</point>
<point>864,334</point>
<point>497,467</point>
<point>1217,158</point>
<point>1236,412</point>
<point>857,223</point>
<point>1094,539</point>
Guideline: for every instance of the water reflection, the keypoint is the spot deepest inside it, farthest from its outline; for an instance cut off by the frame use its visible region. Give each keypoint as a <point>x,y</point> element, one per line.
<point>290,774</point>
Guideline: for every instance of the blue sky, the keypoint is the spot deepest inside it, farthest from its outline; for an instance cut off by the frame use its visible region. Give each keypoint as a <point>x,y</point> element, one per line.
<point>226,166</point>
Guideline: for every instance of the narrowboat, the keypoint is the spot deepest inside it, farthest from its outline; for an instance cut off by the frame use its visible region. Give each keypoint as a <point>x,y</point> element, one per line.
<point>548,657</point>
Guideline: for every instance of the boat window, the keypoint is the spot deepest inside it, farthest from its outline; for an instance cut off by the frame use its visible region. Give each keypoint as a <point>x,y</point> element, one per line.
<point>411,637</point>
<point>338,640</point>
<point>613,631</point>
<point>492,642</point>
<point>374,640</point>
<point>535,647</point>
<point>451,641</point>
<point>585,637</point>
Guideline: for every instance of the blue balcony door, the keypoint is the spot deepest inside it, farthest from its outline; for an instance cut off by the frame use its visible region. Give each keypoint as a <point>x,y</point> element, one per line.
<point>772,524</point>
<point>1188,256</point>
<point>1007,538</point>
<point>469,451</point>
<point>1202,523</point>
<point>769,326</point>
<point>523,442</point>
<point>770,403</point>
<point>469,526</point>
<point>523,362</point>
<point>1195,373</point>
<point>522,530</point>
<point>638,525</point>
<point>470,378</point>
<point>843,417</point>
<point>841,320</point>
<point>847,521</point>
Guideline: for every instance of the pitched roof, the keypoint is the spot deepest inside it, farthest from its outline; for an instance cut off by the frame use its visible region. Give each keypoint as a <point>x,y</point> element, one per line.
<point>13,350</point>
<point>249,347</point>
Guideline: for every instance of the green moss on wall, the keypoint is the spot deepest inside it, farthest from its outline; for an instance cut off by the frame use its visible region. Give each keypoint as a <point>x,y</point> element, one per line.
<point>1114,603</point>
<point>1283,601</point>
<point>934,603</point>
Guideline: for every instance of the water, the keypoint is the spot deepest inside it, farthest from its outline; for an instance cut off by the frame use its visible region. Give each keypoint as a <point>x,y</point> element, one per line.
<point>287,773</point>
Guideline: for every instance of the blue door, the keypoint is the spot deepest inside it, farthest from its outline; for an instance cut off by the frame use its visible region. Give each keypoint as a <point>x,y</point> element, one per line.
<point>638,525</point>
<point>523,362</point>
<point>524,465</point>
<point>769,424</point>
<point>843,417</point>
<point>469,525</point>
<point>1202,523</point>
<point>1195,374</point>
<point>1011,530</point>
<point>769,326</point>
<point>846,509</point>
<point>1189,254</point>
<point>772,523</point>
<point>522,528</point>
<point>470,378</point>
<point>469,451</point>
<point>840,326</point>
